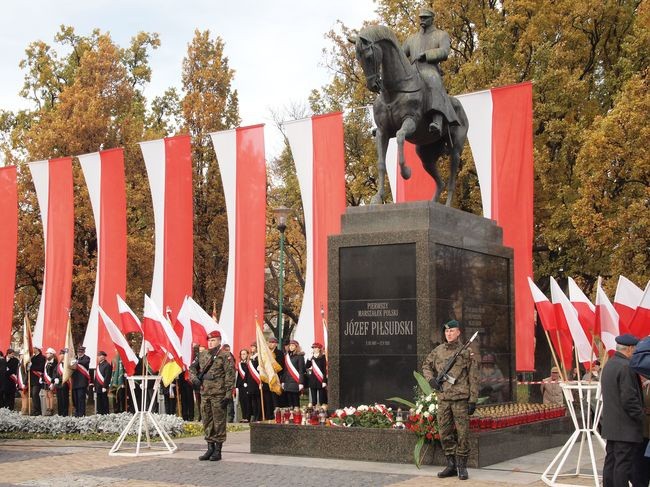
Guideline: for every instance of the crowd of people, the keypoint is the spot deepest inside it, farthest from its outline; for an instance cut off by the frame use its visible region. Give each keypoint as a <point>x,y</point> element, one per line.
<point>38,386</point>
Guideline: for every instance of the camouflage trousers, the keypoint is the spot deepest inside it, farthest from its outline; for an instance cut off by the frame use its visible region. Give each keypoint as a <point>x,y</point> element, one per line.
<point>214,419</point>
<point>453,422</point>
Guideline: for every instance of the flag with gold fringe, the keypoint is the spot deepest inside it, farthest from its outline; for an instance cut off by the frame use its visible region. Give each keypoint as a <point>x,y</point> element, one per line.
<point>69,353</point>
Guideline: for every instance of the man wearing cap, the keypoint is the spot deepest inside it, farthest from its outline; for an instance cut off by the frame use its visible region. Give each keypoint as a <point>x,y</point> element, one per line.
<point>12,379</point>
<point>272,400</point>
<point>80,381</point>
<point>456,401</point>
<point>103,373</point>
<point>491,381</point>
<point>293,378</point>
<point>427,48</point>
<point>36,369</point>
<point>62,388</point>
<point>622,416</point>
<point>49,372</point>
<point>213,372</point>
<point>317,375</point>
<point>551,390</point>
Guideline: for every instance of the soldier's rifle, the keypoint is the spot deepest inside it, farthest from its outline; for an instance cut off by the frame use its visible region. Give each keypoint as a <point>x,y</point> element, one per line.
<point>444,373</point>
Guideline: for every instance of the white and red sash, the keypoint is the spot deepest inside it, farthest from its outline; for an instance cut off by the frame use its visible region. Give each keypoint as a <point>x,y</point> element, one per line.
<point>292,370</point>
<point>317,371</point>
<point>59,369</point>
<point>254,372</point>
<point>99,377</point>
<point>48,379</point>
<point>14,378</point>
<point>242,372</point>
<point>38,373</point>
<point>83,370</point>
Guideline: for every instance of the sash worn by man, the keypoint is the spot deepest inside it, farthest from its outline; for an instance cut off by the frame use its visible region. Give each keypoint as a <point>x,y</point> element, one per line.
<point>213,371</point>
<point>457,395</point>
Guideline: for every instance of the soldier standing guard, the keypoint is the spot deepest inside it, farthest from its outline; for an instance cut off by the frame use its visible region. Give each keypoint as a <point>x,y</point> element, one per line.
<point>213,372</point>
<point>456,398</point>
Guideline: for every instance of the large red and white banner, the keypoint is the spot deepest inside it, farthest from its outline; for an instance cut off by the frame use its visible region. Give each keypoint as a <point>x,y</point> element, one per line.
<point>319,156</point>
<point>8,251</point>
<point>53,183</point>
<point>501,139</point>
<point>104,174</point>
<point>169,169</point>
<point>240,154</point>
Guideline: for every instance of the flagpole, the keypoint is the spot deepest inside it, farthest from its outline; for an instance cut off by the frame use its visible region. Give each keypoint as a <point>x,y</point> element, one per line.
<point>550,345</point>
<point>262,401</point>
<point>559,343</point>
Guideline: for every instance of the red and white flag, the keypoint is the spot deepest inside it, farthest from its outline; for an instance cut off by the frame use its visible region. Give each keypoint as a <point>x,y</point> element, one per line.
<point>640,324</point>
<point>169,169</point>
<point>128,356</point>
<point>240,154</point>
<point>196,324</point>
<point>501,139</point>
<point>319,155</point>
<point>565,312</point>
<point>8,251</point>
<point>130,323</point>
<point>606,319</point>
<point>585,308</point>
<point>104,174</point>
<point>53,183</point>
<point>627,299</point>
<point>159,332</point>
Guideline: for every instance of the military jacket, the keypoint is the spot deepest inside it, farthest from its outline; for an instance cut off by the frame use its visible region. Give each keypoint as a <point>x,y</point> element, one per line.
<point>220,378</point>
<point>465,371</point>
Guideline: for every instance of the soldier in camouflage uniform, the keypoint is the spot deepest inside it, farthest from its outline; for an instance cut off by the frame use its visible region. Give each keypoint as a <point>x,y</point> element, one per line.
<point>456,402</point>
<point>213,371</point>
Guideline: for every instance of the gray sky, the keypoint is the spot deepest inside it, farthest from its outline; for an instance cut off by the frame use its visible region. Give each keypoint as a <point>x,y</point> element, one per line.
<point>274,46</point>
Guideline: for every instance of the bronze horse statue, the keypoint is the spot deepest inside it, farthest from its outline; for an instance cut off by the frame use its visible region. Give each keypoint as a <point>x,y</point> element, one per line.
<point>399,110</point>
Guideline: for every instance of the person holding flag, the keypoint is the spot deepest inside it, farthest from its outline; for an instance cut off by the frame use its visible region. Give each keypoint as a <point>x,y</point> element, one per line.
<point>275,362</point>
<point>62,386</point>
<point>80,381</point>
<point>316,375</point>
<point>118,385</point>
<point>213,372</point>
<point>103,373</point>
<point>49,372</point>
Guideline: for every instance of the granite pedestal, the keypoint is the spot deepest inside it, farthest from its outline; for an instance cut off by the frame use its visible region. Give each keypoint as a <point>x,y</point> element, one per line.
<point>396,273</point>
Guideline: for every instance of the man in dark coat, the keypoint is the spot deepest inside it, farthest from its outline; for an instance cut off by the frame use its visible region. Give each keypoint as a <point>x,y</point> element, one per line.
<point>103,373</point>
<point>640,363</point>
<point>36,369</point>
<point>62,388</point>
<point>4,380</point>
<point>80,380</point>
<point>622,416</point>
<point>12,379</point>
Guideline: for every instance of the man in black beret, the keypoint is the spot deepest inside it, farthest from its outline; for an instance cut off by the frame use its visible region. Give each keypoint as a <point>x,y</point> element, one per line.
<point>622,416</point>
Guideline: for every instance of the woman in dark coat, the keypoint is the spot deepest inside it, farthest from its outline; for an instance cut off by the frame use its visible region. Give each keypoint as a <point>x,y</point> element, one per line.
<point>293,374</point>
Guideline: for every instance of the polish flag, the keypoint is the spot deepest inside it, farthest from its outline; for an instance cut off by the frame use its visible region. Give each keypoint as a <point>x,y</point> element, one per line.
<point>127,355</point>
<point>560,339</point>
<point>319,155</point>
<point>159,332</point>
<point>196,324</point>
<point>240,154</point>
<point>640,324</point>
<point>104,174</point>
<point>566,313</point>
<point>53,183</point>
<point>606,319</point>
<point>8,251</point>
<point>627,298</point>
<point>169,169</point>
<point>585,308</point>
<point>501,139</point>
<point>130,322</point>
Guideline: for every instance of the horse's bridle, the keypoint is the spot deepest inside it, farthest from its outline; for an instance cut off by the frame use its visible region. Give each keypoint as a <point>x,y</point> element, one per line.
<point>370,79</point>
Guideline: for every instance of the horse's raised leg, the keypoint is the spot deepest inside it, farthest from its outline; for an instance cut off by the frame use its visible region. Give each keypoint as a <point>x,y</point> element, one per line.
<point>381,142</point>
<point>408,128</point>
<point>429,155</point>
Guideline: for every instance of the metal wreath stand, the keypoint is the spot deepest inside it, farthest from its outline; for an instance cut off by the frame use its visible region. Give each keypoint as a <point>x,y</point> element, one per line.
<point>145,420</point>
<point>584,429</point>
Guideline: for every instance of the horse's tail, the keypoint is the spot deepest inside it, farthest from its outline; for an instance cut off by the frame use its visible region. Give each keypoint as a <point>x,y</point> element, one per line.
<point>458,133</point>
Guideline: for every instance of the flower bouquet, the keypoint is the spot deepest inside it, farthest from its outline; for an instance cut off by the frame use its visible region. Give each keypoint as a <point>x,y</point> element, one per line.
<point>377,416</point>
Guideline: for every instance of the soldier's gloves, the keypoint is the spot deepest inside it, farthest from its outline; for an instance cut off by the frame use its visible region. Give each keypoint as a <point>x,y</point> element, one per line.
<point>471,407</point>
<point>435,384</point>
<point>224,403</point>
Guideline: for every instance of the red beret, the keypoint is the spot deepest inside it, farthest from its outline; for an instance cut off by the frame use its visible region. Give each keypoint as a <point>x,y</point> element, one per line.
<point>317,345</point>
<point>214,334</point>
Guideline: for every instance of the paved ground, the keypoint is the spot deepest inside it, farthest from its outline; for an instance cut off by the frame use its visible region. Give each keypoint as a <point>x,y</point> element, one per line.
<point>87,464</point>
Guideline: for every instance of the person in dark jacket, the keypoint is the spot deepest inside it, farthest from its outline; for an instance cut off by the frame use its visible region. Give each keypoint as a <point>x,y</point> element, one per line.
<point>622,416</point>
<point>253,385</point>
<point>4,380</point>
<point>80,380</point>
<point>48,380</point>
<point>103,373</point>
<point>36,369</point>
<point>640,363</point>
<point>317,375</point>
<point>241,383</point>
<point>62,388</point>
<point>271,400</point>
<point>293,381</point>
<point>11,378</point>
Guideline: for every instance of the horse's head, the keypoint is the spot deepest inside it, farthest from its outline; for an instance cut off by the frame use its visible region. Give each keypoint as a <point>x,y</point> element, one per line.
<point>369,56</point>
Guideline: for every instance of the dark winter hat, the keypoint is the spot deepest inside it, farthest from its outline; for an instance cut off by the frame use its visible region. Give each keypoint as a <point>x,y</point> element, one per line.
<point>627,340</point>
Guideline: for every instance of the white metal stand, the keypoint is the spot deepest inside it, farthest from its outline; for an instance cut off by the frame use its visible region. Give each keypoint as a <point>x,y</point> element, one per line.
<point>584,429</point>
<point>145,420</point>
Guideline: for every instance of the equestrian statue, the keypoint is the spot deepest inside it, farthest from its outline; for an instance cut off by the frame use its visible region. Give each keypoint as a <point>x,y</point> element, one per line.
<point>412,103</point>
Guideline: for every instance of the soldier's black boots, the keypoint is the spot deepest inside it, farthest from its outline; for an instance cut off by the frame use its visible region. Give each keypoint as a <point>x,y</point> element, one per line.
<point>462,468</point>
<point>216,454</point>
<point>450,469</point>
<point>208,454</point>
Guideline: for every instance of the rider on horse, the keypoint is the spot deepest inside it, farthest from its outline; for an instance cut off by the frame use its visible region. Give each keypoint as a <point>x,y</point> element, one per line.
<point>427,48</point>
